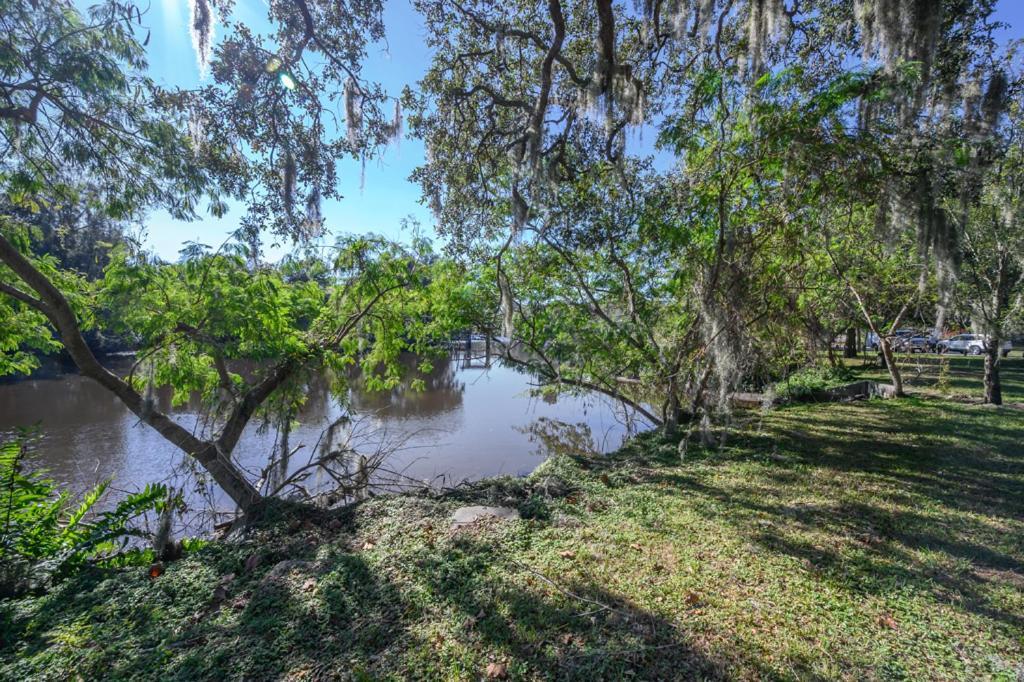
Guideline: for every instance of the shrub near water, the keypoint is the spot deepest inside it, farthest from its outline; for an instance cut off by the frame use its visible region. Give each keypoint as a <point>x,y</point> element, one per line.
<point>45,535</point>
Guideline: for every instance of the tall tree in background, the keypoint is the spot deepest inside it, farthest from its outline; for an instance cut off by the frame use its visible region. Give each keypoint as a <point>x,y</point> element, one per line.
<point>991,269</point>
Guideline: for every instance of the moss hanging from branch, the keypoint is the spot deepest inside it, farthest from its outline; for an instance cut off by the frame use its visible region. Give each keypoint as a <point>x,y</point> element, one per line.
<point>895,31</point>
<point>394,129</point>
<point>288,178</point>
<point>353,111</point>
<point>766,20</point>
<point>201,24</point>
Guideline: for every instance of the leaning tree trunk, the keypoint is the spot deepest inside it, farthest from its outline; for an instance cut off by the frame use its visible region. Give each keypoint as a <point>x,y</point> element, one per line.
<point>993,386</point>
<point>890,363</point>
<point>212,455</point>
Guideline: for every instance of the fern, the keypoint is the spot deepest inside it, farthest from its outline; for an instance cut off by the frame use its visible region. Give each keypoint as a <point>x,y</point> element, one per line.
<point>46,535</point>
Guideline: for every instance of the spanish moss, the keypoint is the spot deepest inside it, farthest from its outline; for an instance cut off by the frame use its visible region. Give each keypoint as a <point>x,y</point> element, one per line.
<point>353,112</point>
<point>201,26</point>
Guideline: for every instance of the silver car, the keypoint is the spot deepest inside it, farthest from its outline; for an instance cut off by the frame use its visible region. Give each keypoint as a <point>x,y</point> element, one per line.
<point>970,344</point>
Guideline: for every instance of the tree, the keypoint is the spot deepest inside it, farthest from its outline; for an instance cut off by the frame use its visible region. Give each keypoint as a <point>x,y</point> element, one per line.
<point>526,103</point>
<point>991,272</point>
<point>593,301</point>
<point>882,277</point>
<point>75,103</point>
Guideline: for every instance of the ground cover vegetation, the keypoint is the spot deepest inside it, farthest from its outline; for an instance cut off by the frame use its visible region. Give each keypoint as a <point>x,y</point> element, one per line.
<point>667,203</point>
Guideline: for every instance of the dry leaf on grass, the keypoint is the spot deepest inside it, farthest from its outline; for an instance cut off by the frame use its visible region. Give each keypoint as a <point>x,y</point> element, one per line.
<point>497,671</point>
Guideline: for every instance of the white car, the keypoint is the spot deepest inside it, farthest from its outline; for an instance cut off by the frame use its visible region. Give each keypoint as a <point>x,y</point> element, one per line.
<point>970,344</point>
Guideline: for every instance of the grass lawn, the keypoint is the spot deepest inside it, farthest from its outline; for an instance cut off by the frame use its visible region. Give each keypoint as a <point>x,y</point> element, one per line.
<point>956,377</point>
<point>871,540</point>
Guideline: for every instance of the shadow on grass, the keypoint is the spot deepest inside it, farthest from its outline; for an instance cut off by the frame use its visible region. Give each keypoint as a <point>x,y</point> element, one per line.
<point>439,611</point>
<point>871,498</point>
<point>876,497</point>
<point>565,631</point>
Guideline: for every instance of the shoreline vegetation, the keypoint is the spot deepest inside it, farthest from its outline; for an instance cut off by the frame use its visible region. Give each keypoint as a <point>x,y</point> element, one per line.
<point>862,540</point>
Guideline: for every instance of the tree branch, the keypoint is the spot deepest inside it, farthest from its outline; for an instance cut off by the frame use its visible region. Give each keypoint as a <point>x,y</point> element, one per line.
<point>63,318</point>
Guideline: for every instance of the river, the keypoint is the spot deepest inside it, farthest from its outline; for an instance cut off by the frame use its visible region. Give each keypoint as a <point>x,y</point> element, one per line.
<point>476,418</point>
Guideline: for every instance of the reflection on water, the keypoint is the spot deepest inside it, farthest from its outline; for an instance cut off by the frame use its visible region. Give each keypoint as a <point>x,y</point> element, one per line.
<point>443,391</point>
<point>474,419</point>
<point>551,436</point>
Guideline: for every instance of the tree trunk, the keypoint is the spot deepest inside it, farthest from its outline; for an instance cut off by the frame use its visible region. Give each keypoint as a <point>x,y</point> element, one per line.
<point>993,386</point>
<point>994,338</point>
<point>833,361</point>
<point>672,413</point>
<point>890,363</point>
<point>212,456</point>
<point>850,348</point>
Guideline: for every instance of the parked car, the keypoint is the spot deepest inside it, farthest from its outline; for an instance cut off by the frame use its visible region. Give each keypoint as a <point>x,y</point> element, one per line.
<point>918,342</point>
<point>970,344</point>
<point>871,342</point>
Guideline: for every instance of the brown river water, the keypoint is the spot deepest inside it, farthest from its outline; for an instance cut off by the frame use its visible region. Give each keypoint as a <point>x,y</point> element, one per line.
<point>475,419</point>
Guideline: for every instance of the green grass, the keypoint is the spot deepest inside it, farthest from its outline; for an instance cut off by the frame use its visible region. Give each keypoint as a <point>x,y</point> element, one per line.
<point>955,377</point>
<point>871,540</point>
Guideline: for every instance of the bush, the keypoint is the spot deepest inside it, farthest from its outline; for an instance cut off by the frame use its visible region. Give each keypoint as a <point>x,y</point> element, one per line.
<point>46,535</point>
<point>806,381</point>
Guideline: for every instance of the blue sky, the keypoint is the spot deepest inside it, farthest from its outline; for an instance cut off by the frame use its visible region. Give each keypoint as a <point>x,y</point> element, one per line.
<point>387,196</point>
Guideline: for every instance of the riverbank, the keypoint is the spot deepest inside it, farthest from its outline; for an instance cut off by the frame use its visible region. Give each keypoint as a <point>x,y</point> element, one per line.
<point>871,540</point>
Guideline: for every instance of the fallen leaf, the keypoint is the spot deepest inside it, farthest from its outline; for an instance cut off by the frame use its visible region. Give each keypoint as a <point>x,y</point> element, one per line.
<point>567,554</point>
<point>888,621</point>
<point>156,570</point>
<point>309,584</point>
<point>692,598</point>
<point>637,546</point>
<point>497,671</point>
<point>368,545</point>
